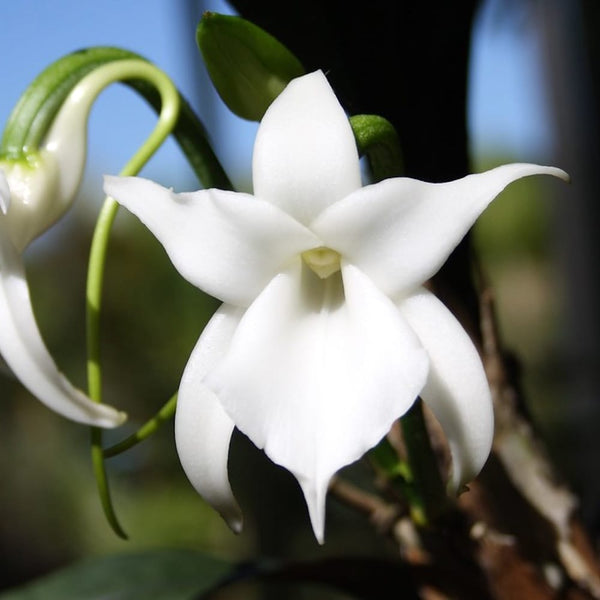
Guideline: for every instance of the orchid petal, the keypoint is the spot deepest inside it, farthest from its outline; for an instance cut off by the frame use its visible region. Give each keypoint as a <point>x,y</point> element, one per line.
<point>400,231</point>
<point>24,351</point>
<point>228,244</point>
<point>4,193</point>
<point>30,189</point>
<point>317,372</point>
<point>202,428</point>
<point>457,390</point>
<point>305,156</point>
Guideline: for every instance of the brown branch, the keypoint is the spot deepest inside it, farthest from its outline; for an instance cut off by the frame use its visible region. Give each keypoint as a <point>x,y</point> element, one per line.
<point>516,534</point>
<point>383,515</point>
<point>436,577</point>
<point>521,494</point>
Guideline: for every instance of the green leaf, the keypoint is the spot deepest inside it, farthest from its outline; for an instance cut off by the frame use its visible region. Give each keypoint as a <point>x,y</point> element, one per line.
<point>156,574</point>
<point>248,67</point>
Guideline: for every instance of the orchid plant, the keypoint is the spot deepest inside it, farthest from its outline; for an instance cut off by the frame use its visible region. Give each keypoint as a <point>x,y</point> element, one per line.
<point>327,333</point>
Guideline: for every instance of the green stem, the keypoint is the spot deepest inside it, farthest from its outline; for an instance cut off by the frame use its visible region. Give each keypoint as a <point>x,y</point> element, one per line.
<point>102,77</point>
<point>102,482</point>
<point>146,430</point>
<point>192,139</point>
<point>429,499</point>
<point>168,117</point>
<point>35,111</point>
<point>417,478</point>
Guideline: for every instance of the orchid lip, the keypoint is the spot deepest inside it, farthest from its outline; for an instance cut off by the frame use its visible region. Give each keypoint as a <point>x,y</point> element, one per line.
<point>323,261</point>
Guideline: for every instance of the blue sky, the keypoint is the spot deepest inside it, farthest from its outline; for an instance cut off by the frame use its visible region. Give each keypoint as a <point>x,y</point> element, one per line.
<point>508,109</point>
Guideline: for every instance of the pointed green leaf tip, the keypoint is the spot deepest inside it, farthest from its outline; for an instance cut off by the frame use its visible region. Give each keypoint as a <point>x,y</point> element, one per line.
<point>248,66</point>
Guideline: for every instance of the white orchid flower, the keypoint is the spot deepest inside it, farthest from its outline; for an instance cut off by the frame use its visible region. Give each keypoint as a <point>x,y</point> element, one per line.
<point>34,193</point>
<point>326,335</point>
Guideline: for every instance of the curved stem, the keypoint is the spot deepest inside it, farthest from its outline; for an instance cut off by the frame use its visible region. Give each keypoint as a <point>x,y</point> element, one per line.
<point>146,430</point>
<point>99,79</point>
<point>37,108</point>
<point>191,136</point>
<point>168,117</point>
<point>429,493</point>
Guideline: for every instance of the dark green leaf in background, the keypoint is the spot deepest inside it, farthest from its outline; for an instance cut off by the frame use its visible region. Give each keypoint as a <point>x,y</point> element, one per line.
<point>156,574</point>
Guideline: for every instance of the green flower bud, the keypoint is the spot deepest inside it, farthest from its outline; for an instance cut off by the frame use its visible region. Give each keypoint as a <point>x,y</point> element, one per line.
<point>248,66</point>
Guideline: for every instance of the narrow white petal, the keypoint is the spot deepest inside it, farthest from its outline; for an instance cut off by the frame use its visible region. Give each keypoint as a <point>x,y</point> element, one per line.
<point>305,156</point>
<point>400,231</point>
<point>24,351</point>
<point>317,372</point>
<point>457,390</point>
<point>4,193</point>
<point>202,428</point>
<point>228,244</point>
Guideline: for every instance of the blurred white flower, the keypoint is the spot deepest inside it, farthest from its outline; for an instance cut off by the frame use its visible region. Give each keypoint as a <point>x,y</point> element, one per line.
<point>35,191</point>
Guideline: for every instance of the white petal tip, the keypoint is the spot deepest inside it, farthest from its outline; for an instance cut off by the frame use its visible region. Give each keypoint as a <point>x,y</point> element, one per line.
<point>236,524</point>
<point>455,488</point>
<point>105,417</point>
<point>527,169</point>
<point>4,193</point>
<point>73,404</point>
<point>315,495</point>
<point>461,475</point>
<point>318,527</point>
<point>108,179</point>
<point>119,418</point>
<point>113,185</point>
<point>556,172</point>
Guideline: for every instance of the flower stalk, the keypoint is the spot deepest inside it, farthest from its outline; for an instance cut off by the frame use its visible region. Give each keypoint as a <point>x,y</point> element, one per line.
<point>70,128</point>
<point>428,496</point>
<point>166,413</point>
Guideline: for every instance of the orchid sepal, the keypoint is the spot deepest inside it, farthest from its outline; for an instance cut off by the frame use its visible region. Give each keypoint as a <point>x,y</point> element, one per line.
<point>28,188</point>
<point>24,351</point>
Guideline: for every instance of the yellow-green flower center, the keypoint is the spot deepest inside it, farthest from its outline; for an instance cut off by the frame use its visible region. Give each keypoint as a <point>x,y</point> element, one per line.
<point>323,261</point>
